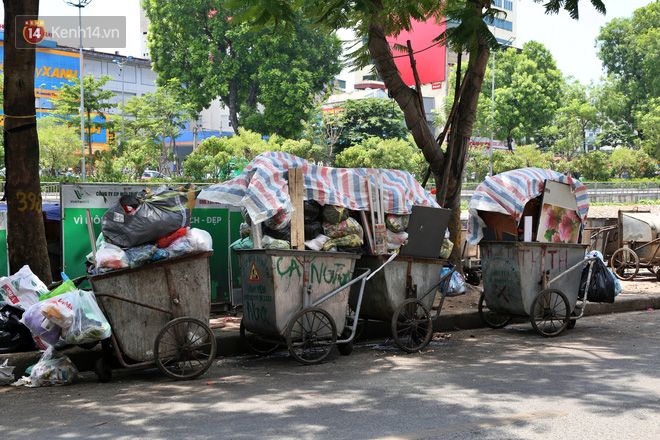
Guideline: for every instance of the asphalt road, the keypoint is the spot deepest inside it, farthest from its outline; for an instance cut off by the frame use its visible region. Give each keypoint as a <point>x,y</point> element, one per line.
<point>597,381</point>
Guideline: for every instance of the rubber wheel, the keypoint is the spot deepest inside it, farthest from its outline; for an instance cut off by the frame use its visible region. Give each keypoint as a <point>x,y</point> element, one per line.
<point>256,344</point>
<point>184,348</point>
<point>346,348</point>
<point>624,264</point>
<point>572,322</point>
<point>102,370</point>
<point>550,312</point>
<point>412,326</point>
<point>490,318</point>
<point>311,335</point>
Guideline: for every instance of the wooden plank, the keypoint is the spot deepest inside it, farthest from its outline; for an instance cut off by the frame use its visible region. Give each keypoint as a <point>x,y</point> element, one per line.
<point>298,215</point>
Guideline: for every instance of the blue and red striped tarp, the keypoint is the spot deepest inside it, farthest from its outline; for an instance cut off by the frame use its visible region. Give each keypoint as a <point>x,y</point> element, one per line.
<point>508,192</point>
<point>263,190</point>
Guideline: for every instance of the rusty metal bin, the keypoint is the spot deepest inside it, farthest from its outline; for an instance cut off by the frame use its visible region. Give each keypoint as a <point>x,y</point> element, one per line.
<point>292,294</point>
<point>157,312</point>
<point>402,290</point>
<point>403,278</point>
<point>513,273</point>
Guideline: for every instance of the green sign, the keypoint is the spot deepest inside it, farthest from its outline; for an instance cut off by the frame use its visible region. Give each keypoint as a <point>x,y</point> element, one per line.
<point>215,218</point>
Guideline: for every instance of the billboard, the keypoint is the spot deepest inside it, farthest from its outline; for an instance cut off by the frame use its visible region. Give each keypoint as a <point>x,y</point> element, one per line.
<point>429,56</point>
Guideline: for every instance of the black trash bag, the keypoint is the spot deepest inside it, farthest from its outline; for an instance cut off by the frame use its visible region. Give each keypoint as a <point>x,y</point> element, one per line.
<point>312,210</point>
<point>14,335</point>
<point>278,234</point>
<point>154,216</point>
<point>312,229</point>
<point>601,287</point>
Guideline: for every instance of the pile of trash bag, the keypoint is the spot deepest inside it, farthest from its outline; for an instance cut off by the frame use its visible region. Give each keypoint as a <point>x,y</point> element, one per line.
<point>148,227</point>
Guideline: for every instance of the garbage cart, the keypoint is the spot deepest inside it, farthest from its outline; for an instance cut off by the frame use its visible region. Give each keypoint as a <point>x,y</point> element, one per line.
<point>638,245</point>
<point>159,314</point>
<point>538,280</point>
<point>299,299</point>
<point>402,290</point>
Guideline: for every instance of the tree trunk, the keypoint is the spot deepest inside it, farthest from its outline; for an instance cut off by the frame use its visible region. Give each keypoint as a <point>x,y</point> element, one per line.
<point>408,101</point>
<point>26,237</point>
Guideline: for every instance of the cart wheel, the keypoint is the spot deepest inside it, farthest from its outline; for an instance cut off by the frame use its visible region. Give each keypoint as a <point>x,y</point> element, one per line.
<point>346,348</point>
<point>550,312</point>
<point>412,326</point>
<point>256,343</point>
<point>102,370</point>
<point>625,264</point>
<point>572,322</point>
<point>184,348</point>
<point>311,335</point>
<point>490,318</point>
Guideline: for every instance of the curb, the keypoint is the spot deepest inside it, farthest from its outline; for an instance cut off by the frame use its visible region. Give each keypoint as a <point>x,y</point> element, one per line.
<point>230,344</point>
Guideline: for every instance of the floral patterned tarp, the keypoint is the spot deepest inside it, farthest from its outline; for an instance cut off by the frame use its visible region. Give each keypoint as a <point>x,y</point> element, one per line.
<point>508,192</point>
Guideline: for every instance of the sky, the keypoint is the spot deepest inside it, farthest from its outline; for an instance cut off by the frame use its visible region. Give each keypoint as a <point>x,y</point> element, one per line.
<point>570,42</point>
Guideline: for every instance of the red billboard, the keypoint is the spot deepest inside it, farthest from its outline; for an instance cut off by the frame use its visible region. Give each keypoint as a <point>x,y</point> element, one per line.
<point>429,56</point>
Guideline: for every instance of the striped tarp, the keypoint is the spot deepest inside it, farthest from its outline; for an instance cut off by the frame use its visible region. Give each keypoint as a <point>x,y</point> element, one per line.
<point>263,190</point>
<point>508,192</point>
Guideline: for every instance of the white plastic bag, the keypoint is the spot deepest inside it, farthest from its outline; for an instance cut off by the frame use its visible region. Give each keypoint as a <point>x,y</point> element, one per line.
<point>396,239</point>
<point>53,368</point>
<point>110,256</point>
<point>22,289</point>
<point>200,240</point>
<point>316,244</point>
<point>88,323</point>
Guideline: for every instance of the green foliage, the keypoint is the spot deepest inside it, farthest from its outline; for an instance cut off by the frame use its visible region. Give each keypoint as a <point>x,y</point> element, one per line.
<point>478,164</point>
<point>398,154</point>
<point>152,118</point>
<point>649,123</point>
<point>323,133</point>
<point>59,145</point>
<point>630,52</point>
<point>506,161</point>
<point>373,117</point>
<point>594,166</point>
<point>635,163</point>
<point>95,104</point>
<point>212,55</point>
<point>527,90</point>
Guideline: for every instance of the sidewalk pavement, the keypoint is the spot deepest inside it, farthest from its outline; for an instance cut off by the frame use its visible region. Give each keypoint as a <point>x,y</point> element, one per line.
<point>229,343</point>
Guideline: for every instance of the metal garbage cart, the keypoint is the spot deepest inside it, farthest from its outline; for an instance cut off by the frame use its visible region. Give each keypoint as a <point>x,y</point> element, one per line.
<point>638,245</point>
<point>539,280</point>
<point>402,290</point>
<point>298,298</point>
<point>159,314</point>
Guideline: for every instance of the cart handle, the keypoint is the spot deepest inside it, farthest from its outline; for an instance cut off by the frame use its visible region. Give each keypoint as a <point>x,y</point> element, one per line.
<point>342,287</point>
<point>392,257</point>
<point>570,269</point>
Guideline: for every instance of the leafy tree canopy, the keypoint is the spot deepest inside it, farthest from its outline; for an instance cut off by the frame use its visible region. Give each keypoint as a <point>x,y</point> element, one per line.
<point>200,44</point>
<point>630,51</point>
<point>59,145</point>
<point>371,117</point>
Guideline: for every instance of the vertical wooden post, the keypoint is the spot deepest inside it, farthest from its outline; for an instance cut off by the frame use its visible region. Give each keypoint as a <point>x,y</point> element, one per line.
<point>298,214</point>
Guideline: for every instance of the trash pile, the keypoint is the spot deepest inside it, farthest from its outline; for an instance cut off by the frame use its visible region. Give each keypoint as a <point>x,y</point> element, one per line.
<point>34,317</point>
<point>359,210</point>
<point>148,227</point>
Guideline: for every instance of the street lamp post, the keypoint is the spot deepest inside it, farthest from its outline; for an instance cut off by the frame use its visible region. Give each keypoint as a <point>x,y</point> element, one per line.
<point>81,4</point>
<point>121,64</point>
<point>41,99</point>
